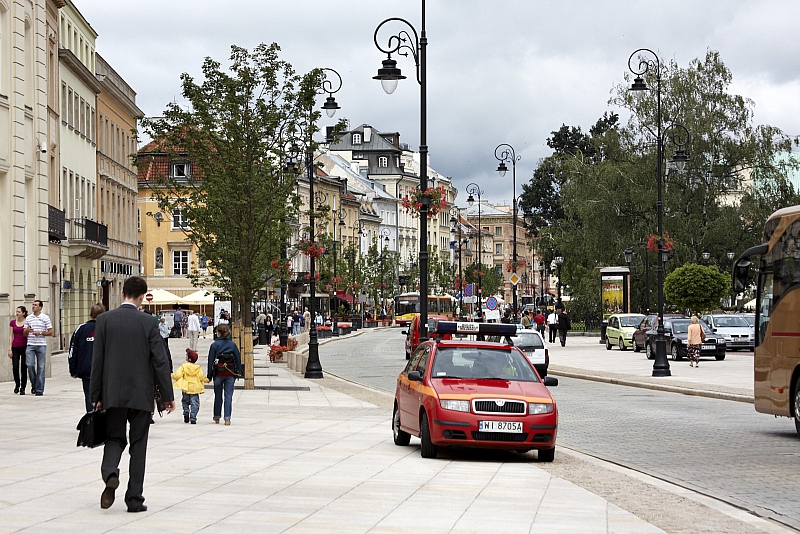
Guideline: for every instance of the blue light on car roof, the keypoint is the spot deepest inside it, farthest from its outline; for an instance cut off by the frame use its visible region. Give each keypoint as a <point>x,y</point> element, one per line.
<point>489,329</point>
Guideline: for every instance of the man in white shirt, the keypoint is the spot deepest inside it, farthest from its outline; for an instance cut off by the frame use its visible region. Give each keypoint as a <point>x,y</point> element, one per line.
<point>552,326</point>
<point>37,327</point>
<point>193,329</point>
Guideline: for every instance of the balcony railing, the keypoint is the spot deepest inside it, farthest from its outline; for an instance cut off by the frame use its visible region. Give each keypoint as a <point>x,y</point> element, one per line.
<point>88,238</point>
<point>56,224</point>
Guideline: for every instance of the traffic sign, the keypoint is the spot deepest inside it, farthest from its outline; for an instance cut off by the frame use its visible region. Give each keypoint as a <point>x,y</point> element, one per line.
<point>470,300</point>
<point>491,303</point>
<point>514,279</point>
<point>469,290</point>
<point>149,297</point>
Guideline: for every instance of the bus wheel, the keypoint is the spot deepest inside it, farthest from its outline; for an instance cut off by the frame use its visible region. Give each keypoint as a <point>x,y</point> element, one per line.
<point>797,405</point>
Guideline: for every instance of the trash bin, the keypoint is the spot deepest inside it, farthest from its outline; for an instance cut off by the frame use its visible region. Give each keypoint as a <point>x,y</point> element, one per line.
<point>603,327</point>
<point>262,335</point>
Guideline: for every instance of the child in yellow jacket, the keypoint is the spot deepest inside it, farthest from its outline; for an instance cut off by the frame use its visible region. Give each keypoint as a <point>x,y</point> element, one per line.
<point>189,378</point>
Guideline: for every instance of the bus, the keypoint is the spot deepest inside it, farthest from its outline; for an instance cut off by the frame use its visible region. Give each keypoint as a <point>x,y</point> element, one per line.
<point>406,306</point>
<point>777,345</point>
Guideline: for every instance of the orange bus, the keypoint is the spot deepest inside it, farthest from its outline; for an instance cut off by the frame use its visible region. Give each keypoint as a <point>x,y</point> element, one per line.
<point>777,343</point>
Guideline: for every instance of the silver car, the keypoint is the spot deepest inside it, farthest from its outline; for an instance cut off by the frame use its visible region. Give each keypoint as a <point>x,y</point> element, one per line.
<point>534,347</point>
<point>737,333</point>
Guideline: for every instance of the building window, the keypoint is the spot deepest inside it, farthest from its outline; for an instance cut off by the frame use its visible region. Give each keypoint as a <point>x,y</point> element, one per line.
<point>180,262</point>
<point>498,231</point>
<point>180,171</point>
<point>356,138</point>
<point>159,258</point>
<point>138,219</point>
<point>498,249</point>
<point>383,161</point>
<point>178,222</point>
<point>202,263</point>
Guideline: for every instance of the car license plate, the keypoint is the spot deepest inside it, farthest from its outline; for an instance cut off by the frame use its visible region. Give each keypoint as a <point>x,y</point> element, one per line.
<point>709,347</point>
<point>509,427</point>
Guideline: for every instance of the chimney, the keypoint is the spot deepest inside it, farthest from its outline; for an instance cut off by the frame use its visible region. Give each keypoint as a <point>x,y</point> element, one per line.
<point>367,133</point>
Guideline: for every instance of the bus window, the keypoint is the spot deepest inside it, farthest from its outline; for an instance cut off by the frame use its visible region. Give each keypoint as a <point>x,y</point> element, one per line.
<point>764,305</point>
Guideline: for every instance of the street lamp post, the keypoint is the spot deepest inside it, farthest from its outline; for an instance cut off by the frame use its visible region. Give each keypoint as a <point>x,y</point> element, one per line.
<point>505,153</point>
<point>541,283</point>
<point>661,365</point>
<point>474,189</point>
<point>358,227</point>
<point>314,367</point>
<point>340,214</point>
<point>404,43</point>
<point>383,242</point>
<point>455,220</point>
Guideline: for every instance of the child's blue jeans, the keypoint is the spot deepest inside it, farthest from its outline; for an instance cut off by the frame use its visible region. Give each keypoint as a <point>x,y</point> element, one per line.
<point>191,404</point>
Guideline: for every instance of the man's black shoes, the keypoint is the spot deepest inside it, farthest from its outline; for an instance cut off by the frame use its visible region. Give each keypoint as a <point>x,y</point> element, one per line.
<point>136,509</point>
<point>107,498</point>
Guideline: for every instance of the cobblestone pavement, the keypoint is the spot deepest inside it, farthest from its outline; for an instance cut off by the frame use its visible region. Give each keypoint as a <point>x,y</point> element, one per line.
<point>720,448</point>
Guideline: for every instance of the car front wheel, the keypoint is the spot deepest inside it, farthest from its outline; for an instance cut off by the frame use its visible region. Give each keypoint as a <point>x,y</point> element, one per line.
<point>428,449</point>
<point>675,352</point>
<point>648,349</point>
<point>401,438</point>
<point>622,344</point>
<point>636,347</point>
<point>720,357</point>
<point>547,455</point>
<point>608,343</point>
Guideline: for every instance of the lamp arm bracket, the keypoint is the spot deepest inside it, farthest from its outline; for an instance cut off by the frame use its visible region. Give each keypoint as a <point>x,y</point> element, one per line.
<point>677,134</point>
<point>506,154</point>
<point>401,43</point>
<point>327,84</point>
<point>644,64</point>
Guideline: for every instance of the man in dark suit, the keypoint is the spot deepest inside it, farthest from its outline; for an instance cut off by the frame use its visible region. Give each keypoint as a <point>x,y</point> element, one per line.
<point>127,363</point>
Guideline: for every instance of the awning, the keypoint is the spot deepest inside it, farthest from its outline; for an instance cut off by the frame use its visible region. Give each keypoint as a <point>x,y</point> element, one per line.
<point>198,298</point>
<point>341,295</point>
<point>161,297</point>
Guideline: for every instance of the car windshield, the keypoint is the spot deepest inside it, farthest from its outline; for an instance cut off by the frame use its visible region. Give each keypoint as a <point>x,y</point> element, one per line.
<point>528,340</point>
<point>482,363</point>
<point>749,319</point>
<point>632,320</point>
<point>727,321</point>
<point>682,327</point>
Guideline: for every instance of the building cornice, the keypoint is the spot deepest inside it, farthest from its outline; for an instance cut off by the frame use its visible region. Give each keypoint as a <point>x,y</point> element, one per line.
<point>74,64</point>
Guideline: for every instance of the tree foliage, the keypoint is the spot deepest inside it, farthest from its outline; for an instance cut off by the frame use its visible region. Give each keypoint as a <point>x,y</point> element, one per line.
<point>491,280</point>
<point>235,134</point>
<point>696,287</point>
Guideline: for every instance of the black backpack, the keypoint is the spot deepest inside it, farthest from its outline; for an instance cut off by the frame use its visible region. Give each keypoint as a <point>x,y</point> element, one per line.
<point>225,363</point>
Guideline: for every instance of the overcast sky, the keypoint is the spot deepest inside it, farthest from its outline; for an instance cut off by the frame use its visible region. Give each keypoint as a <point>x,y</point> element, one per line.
<point>499,71</point>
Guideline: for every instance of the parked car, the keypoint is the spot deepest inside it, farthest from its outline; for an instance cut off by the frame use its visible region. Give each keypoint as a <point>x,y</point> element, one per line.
<point>676,333</point>
<point>650,321</point>
<point>620,329</point>
<point>737,332</point>
<point>533,345</point>
<point>750,318</point>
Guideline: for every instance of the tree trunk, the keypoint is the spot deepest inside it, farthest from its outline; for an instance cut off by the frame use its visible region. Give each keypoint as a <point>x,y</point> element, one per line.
<point>242,334</point>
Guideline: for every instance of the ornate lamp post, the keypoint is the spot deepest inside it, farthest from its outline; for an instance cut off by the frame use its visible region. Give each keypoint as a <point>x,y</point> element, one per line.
<point>358,228</point>
<point>505,153</point>
<point>541,284</point>
<point>314,367</point>
<point>455,220</point>
<point>474,189</point>
<point>383,242</point>
<point>340,214</point>
<point>680,138</point>
<point>402,44</point>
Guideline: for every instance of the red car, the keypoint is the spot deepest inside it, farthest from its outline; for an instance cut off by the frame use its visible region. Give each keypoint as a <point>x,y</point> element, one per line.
<point>474,394</point>
<point>412,334</point>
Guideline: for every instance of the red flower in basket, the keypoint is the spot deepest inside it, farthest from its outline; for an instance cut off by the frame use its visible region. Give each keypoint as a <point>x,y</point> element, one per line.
<point>652,242</point>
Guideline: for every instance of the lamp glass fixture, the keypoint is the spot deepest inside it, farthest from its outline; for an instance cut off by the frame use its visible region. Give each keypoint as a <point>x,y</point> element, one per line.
<point>502,169</point>
<point>731,255</point>
<point>706,255</point>
<point>680,159</point>
<point>628,253</point>
<point>389,75</point>
<point>330,106</point>
<point>664,256</point>
<point>470,200</point>
<point>559,260</point>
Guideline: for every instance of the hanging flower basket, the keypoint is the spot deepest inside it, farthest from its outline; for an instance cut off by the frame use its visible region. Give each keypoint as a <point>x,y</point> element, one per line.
<point>438,196</point>
<point>477,274</point>
<point>514,265</point>
<point>652,242</point>
<point>312,249</point>
<point>283,270</point>
<point>308,276</point>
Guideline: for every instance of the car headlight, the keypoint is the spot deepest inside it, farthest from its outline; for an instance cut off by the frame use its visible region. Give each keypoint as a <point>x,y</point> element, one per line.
<point>535,408</point>
<point>728,337</point>
<point>457,405</point>
<point>629,335</point>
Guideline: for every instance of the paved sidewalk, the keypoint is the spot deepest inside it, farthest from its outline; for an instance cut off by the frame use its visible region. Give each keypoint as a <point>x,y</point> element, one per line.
<point>586,357</point>
<point>298,457</point>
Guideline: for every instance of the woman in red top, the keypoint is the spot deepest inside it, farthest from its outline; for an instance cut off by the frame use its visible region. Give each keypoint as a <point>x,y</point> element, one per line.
<point>16,351</point>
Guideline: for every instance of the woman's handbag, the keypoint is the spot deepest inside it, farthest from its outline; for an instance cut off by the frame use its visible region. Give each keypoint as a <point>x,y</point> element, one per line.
<point>92,429</point>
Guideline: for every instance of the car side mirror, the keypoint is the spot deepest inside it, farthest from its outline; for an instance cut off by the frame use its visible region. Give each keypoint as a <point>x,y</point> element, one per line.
<point>414,376</point>
<point>404,332</point>
<point>714,330</point>
<point>550,381</point>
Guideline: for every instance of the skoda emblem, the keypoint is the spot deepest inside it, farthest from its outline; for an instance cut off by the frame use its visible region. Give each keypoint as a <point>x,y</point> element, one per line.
<point>500,402</point>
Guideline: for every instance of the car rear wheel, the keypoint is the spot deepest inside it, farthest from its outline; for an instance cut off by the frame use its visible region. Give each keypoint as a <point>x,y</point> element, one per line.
<point>608,343</point>
<point>648,349</point>
<point>675,352</point>
<point>636,347</point>
<point>720,358</point>
<point>401,438</point>
<point>622,344</point>
<point>547,455</point>
<point>428,449</point>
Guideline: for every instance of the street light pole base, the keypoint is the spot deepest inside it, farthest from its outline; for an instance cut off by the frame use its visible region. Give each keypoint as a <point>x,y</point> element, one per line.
<point>661,372</point>
<point>313,367</point>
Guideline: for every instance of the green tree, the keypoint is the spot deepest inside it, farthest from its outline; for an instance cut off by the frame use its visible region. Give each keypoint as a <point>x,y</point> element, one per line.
<point>239,194</point>
<point>696,287</point>
<point>491,280</point>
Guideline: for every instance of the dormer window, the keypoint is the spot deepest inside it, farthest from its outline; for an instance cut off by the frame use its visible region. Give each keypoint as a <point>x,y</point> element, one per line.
<point>356,138</point>
<point>179,170</point>
<point>383,161</point>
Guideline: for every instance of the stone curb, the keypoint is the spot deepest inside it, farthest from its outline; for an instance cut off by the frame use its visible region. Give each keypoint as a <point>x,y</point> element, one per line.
<point>622,380</point>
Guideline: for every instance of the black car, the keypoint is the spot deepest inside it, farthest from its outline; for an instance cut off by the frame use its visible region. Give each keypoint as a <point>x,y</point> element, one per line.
<point>676,333</point>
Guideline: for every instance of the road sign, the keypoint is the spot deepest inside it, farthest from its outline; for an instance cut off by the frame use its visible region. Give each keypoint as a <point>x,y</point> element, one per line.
<point>492,315</point>
<point>470,300</point>
<point>149,297</point>
<point>491,303</point>
<point>469,290</point>
<point>514,279</point>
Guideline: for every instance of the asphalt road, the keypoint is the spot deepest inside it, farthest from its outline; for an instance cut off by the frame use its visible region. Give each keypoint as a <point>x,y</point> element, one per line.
<point>721,448</point>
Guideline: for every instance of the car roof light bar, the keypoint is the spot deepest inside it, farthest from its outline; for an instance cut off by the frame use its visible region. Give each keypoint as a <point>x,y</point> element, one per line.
<point>489,329</point>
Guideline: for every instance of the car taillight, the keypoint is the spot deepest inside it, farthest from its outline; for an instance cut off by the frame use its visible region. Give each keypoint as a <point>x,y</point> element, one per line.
<point>546,356</point>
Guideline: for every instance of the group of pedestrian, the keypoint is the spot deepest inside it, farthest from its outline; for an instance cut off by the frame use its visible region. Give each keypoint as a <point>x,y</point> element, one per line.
<point>558,324</point>
<point>28,335</point>
<point>535,321</point>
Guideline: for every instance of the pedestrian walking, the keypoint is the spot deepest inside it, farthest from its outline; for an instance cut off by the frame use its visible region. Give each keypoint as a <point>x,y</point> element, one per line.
<point>189,378</point>
<point>564,326</point>
<point>539,321</point>
<point>306,322</point>
<point>81,346</point>
<point>261,329</point>
<point>17,344</point>
<point>184,322</point>
<point>128,363</point>
<point>163,330</point>
<point>526,319</point>
<point>695,336</point>
<point>37,327</point>
<point>268,328</point>
<point>224,364</point>
<point>204,321</point>
<point>552,326</point>
<point>193,329</point>
<point>290,323</point>
<point>177,317</point>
